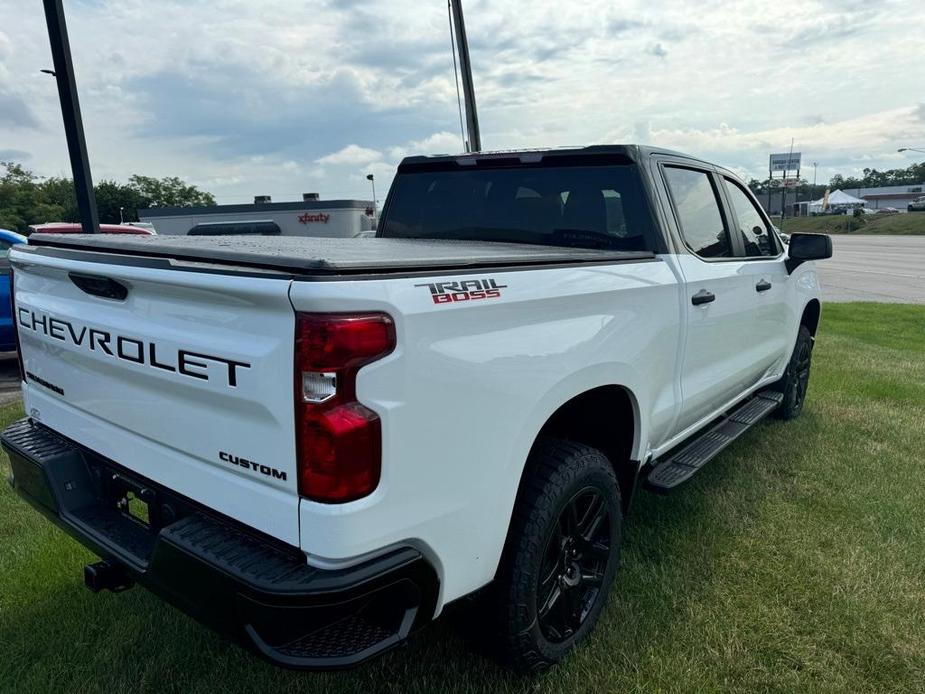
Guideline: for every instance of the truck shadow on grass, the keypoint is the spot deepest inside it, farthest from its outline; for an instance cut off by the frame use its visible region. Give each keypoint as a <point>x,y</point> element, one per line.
<point>68,639</point>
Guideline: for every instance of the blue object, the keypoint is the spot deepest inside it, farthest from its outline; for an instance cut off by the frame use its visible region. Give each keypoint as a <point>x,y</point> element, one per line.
<point>8,239</point>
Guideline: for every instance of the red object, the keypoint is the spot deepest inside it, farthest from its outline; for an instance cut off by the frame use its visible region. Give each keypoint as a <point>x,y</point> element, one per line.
<point>70,228</point>
<point>339,440</point>
<point>309,218</point>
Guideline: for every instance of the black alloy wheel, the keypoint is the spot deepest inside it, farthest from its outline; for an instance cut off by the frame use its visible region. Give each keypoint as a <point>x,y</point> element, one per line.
<point>801,373</point>
<point>574,564</point>
<point>795,381</point>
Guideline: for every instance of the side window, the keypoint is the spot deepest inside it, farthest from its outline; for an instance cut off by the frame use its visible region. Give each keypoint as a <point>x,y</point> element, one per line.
<point>698,212</point>
<point>4,248</point>
<point>756,237</point>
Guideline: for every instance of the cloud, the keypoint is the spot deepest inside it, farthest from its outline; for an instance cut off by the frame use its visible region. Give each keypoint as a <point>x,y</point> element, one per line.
<point>15,113</point>
<point>438,143</point>
<point>621,25</point>
<point>243,99</point>
<point>849,143</point>
<point>235,111</point>
<point>831,29</point>
<point>351,154</point>
<point>17,155</point>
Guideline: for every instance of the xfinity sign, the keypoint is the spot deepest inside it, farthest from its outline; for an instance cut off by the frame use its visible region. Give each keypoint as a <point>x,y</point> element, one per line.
<point>785,162</point>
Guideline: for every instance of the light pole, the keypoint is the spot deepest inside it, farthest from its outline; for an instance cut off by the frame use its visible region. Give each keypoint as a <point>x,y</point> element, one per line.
<point>63,73</point>
<point>121,219</point>
<point>812,195</point>
<point>372,180</point>
<point>474,143</point>
<point>910,149</point>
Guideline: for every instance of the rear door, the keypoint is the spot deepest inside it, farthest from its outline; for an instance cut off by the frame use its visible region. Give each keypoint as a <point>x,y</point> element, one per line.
<point>716,364</point>
<point>178,373</point>
<point>765,280</point>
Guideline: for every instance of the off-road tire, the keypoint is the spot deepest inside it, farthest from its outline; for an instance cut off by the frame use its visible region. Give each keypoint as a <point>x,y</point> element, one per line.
<point>795,381</point>
<point>558,473</point>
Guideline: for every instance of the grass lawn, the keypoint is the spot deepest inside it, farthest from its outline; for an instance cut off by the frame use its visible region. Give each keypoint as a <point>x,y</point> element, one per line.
<point>795,562</point>
<point>898,224</point>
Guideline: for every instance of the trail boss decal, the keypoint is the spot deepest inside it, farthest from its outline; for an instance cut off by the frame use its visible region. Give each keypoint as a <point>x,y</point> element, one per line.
<point>182,361</point>
<point>464,290</point>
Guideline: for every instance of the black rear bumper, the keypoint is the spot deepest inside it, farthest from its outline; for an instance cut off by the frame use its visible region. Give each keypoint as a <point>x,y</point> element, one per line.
<point>245,585</point>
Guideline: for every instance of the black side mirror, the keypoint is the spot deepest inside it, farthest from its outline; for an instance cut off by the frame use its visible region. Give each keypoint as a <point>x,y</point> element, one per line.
<point>803,247</point>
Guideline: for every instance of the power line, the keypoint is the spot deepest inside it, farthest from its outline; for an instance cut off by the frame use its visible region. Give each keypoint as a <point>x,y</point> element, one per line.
<point>462,128</point>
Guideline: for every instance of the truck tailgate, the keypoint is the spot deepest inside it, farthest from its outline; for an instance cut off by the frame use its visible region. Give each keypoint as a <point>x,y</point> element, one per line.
<point>184,377</point>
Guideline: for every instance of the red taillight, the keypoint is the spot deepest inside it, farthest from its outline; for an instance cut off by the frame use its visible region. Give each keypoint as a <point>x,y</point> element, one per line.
<point>339,441</point>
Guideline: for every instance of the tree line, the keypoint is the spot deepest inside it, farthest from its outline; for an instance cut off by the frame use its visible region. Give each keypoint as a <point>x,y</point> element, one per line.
<point>26,198</point>
<point>872,178</point>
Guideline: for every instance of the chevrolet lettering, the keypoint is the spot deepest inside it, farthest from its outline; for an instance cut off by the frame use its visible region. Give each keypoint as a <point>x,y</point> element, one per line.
<point>182,361</point>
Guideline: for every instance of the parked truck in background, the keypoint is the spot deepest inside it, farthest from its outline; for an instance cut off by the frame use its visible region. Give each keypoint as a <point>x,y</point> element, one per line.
<point>353,434</point>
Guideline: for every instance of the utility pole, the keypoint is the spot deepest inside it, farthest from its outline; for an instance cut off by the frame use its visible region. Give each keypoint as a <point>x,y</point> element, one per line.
<point>372,179</point>
<point>70,111</point>
<point>474,142</point>
<point>783,190</point>
<point>770,185</point>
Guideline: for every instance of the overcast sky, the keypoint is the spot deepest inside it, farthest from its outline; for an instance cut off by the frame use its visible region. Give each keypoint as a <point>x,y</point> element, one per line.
<point>283,97</point>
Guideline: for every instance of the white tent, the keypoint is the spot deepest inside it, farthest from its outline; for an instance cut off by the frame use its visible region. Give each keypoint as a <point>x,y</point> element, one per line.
<point>837,198</point>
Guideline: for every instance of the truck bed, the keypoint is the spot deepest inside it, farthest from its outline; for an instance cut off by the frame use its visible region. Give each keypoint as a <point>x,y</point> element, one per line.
<point>328,256</point>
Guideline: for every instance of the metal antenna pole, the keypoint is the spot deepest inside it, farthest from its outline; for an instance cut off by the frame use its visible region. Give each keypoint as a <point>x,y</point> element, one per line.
<point>70,111</point>
<point>472,117</point>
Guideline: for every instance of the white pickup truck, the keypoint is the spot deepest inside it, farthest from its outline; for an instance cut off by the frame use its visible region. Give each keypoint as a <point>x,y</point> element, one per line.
<point>315,445</point>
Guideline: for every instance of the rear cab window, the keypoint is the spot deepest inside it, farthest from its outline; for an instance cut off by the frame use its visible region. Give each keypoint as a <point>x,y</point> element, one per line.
<point>578,205</point>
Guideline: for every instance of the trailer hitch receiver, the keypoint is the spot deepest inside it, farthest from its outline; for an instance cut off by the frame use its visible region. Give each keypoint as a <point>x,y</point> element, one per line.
<point>107,575</point>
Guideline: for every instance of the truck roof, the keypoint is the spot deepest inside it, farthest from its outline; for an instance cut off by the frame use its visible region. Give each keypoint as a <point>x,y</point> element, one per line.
<point>634,153</point>
<point>331,256</point>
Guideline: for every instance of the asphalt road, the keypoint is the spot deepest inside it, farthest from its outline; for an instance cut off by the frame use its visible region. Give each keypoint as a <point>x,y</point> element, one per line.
<point>875,268</point>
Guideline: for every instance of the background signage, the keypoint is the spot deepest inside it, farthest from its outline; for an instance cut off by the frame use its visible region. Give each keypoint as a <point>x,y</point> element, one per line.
<point>785,162</point>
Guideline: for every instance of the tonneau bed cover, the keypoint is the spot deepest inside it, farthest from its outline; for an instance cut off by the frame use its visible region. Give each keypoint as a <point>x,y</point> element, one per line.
<point>332,256</point>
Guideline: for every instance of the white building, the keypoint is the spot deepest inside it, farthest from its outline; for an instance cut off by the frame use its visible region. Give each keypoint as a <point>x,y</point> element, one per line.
<point>889,196</point>
<point>311,217</point>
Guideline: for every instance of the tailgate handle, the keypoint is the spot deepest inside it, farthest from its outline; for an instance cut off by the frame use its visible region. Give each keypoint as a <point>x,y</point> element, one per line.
<point>96,285</point>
